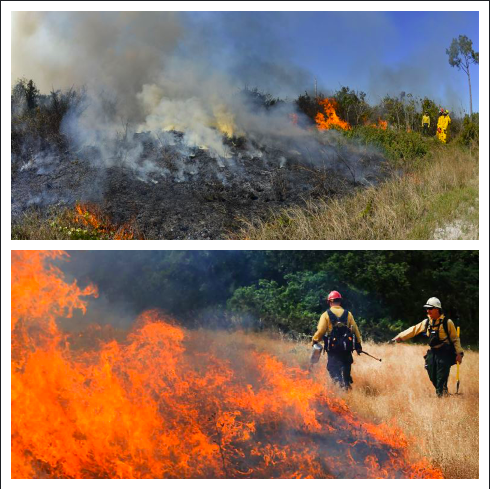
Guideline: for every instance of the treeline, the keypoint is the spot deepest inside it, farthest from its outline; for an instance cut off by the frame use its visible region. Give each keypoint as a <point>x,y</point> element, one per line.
<point>36,119</point>
<point>285,290</point>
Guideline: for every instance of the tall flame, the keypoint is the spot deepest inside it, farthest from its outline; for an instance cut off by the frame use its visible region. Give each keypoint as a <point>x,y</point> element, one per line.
<point>330,119</point>
<point>171,403</point>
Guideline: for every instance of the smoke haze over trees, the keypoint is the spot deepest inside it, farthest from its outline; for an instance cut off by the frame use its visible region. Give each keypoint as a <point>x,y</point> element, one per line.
<point>282,290</point>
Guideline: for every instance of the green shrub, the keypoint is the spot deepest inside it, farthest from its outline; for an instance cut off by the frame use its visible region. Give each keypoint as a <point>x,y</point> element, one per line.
<point>397,145</point>
<point>470,131</point>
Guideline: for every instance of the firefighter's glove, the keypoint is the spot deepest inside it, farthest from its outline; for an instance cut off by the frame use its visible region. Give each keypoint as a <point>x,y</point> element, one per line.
<point>459,358</point>
<point>359,348</point>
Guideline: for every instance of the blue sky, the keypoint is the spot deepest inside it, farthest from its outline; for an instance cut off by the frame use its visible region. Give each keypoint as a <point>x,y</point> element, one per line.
<point>377,52</point>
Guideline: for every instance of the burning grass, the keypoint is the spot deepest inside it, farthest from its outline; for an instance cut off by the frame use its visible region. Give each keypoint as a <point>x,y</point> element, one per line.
<point>166,402</point>
<point>411,206</point>
<point>83,221</point>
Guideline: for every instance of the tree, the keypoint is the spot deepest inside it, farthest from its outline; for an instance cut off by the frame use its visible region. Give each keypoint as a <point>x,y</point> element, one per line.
<point>461,55</point>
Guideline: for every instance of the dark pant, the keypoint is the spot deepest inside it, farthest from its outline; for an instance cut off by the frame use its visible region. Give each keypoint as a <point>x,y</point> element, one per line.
<point>425,129</point>
<point>438,364</point>
<point>339,367</point>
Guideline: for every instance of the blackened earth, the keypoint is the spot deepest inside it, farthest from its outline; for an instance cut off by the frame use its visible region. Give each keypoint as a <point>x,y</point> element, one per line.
<point>169,193</point>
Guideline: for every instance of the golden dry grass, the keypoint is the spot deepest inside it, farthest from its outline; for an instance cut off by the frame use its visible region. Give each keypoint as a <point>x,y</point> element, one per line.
<point>411,206</point>
<point>398,391</point>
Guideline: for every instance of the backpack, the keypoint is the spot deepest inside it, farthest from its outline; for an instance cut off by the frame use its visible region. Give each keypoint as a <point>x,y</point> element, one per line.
<point>434,340</point>
<point>341,338</point>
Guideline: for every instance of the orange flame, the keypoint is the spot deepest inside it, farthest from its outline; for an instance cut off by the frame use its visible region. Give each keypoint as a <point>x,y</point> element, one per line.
<point>382,124</point>
<point>160,404</point>
<point>330,119</point>
<point>293,118</point>
<point>90,215</point>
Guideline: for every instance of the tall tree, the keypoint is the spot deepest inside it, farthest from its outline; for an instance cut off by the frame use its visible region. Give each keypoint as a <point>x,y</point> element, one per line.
<point>461,55</point>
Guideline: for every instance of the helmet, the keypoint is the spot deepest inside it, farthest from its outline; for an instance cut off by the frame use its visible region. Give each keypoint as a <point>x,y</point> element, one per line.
<point>334,295</point>
<point>433,302</point>
<point>441,111</point>
<point>446,112</point>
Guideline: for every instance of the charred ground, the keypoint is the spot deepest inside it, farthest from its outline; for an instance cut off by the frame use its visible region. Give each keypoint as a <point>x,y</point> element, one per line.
<point>174,191</point>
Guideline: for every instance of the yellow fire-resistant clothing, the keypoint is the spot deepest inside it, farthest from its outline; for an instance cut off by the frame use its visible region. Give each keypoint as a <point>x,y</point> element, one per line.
<point>442,124</point>
<point>420,328</point>
<point>325,326</point>
<point>426,120</point>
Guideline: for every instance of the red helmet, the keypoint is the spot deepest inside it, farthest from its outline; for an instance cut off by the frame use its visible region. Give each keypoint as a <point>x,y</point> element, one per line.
<point>334,295</point>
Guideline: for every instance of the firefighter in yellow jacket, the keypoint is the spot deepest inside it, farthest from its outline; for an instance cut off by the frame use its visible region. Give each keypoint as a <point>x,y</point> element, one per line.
<point>442,125</point>
<point>425,123</point>
<point>445,346</point>
<point>341,335</point>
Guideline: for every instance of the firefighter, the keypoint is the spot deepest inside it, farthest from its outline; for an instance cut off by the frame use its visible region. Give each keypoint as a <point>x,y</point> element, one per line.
<point>341,335</point>
<point>441,124</point>
<point>445,347</point>
<point>425,123</point>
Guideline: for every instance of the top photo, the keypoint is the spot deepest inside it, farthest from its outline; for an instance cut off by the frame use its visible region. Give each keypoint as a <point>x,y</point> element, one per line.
<point>244,125</point>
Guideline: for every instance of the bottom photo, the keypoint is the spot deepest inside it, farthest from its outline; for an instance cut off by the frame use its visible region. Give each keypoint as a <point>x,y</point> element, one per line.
<point>245,364</point>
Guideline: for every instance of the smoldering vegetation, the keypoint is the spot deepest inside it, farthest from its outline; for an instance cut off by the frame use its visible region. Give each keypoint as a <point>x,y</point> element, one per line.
<point>198,182</point>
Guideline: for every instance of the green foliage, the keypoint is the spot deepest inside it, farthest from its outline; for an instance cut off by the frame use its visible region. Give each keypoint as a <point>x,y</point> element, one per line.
<point>400,112</point>
<point>397,145</point>
<point>293,306</point>
<point>461,54</point>
<point>470,130</point>
<point>352,106</point>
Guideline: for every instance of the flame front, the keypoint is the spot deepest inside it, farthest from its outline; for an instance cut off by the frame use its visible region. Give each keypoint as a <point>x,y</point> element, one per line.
<point>159,404</point>
<point>330,119</point>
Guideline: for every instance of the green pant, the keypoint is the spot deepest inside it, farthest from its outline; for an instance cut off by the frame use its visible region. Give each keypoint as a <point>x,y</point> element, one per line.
<point>438,363</point>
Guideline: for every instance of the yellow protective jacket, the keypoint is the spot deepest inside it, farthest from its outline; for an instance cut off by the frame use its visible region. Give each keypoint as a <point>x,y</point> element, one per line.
<point>325,326</point>
<point>447,121</point>
<point>426,120</point>
<point>441,123</point>
<point>420,328</point>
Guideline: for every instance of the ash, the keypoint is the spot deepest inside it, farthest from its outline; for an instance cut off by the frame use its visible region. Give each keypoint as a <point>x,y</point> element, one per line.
<point>173,190</point>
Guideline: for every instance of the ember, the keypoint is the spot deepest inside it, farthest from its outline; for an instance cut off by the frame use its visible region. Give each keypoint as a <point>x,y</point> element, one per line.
<point>172,403</point>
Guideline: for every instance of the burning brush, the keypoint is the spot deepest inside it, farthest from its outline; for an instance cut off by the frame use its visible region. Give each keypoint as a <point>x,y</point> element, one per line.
<point>171,403</point>
<point>89,215</point>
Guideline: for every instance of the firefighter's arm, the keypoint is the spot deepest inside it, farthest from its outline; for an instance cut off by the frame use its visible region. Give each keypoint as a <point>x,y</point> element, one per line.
<point>454,337</point>
<point>410,332</point>
<point>353,325</point>
<point>321,328</point>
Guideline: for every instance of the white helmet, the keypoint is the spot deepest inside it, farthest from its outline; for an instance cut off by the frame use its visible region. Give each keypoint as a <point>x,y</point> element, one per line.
<point>433,302</point>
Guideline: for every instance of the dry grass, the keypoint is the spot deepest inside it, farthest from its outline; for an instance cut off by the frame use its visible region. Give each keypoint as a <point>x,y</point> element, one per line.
<point>398,391</point>
<point>87,223</point>
<point>408,207</point>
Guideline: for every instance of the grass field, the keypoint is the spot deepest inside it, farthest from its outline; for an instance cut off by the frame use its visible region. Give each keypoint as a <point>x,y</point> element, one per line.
<point>398,391</point>
<point>419,204</point>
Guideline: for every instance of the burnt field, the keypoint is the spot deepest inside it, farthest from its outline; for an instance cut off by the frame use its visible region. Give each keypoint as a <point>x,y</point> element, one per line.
<point>170,189</point>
